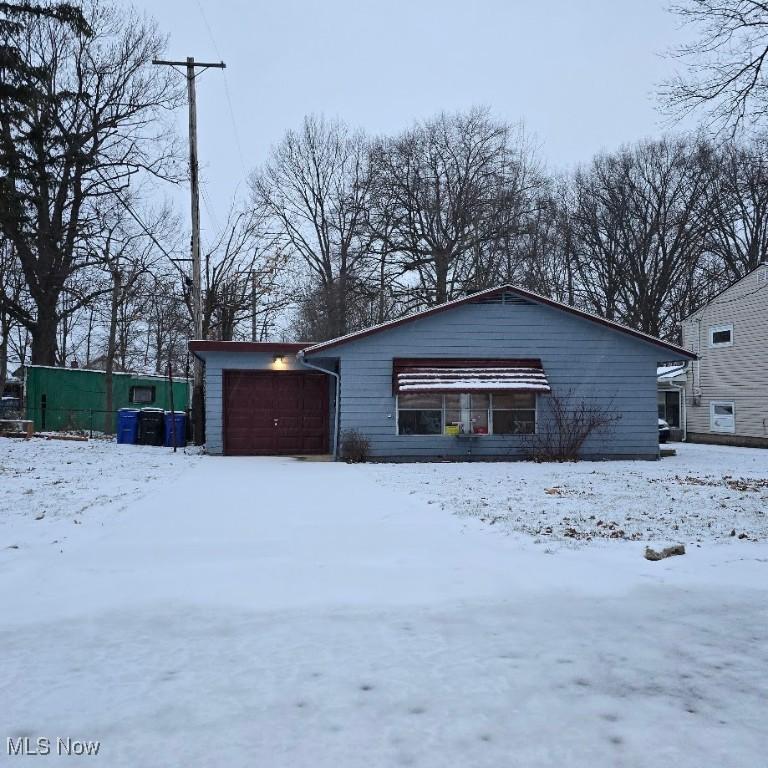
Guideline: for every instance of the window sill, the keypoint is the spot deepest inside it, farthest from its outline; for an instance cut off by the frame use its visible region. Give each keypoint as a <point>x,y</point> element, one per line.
<point>471,436</point>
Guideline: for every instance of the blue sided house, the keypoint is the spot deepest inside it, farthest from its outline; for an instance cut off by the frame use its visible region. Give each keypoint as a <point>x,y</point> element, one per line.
<point>479,377</point>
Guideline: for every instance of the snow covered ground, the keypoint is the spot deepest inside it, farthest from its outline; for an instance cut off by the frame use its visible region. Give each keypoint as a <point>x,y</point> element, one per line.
<point>704,493</point>
<point>197,611</point>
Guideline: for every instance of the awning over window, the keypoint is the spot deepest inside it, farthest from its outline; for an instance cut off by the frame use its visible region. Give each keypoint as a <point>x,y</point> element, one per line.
<point>476,375</point>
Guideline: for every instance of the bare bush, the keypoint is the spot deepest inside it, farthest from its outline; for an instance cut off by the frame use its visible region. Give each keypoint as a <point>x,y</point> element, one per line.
<point>355,447</point>
<point>571,423</point>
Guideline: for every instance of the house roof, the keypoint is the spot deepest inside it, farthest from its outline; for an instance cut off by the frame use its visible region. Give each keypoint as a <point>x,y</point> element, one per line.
<point>198,345</point>
<point>522,292</point>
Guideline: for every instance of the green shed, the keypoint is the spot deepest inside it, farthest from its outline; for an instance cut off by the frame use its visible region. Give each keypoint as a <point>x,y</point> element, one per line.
<point>60,399</point>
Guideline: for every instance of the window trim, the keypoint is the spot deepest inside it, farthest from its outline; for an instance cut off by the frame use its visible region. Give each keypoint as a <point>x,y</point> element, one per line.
<point>713,329</point>
<point>712,428</point>
<point>489,433</point>
<point>134,387</point>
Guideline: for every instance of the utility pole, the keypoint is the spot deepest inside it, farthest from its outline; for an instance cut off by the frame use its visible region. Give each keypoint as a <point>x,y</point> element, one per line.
<point>197,310</point>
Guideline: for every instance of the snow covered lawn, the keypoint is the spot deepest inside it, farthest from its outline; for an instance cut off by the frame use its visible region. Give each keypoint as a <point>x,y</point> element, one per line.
<point>704,493</point>
<point>197,611</point>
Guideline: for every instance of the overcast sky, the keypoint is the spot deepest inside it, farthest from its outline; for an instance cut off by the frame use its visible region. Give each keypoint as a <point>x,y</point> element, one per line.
<point>580,73</point>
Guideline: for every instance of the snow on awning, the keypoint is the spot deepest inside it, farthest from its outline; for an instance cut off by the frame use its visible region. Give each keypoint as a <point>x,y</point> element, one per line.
<point>670,371</point>
<point>477,375</point>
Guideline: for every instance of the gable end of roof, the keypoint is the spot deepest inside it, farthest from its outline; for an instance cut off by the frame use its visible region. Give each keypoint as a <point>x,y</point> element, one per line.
<point>497,295</point>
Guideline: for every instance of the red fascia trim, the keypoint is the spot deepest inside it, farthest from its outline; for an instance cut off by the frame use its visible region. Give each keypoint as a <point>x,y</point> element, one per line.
<point>684,353</point>
<point>403,363</point>
<point>246,346</point>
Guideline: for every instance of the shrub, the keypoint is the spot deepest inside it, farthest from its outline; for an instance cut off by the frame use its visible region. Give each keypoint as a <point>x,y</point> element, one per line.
<point>355,446</point>
<point>571,422</point>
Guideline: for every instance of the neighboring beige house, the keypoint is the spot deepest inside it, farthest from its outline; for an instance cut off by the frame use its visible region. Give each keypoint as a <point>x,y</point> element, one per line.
<point>726,389</point>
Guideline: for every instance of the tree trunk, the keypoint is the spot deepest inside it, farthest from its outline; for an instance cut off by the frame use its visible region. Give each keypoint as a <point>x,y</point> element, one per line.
<point>44,334</point>
<point>442,262</point>
<point>5,332</point>
<point>88,340</point>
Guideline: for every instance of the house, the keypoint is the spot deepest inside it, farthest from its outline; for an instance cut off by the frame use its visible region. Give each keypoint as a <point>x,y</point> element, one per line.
<point>671,397</point>
<point>75,398</point>
<point>726,388</point>
<point>472,377</point>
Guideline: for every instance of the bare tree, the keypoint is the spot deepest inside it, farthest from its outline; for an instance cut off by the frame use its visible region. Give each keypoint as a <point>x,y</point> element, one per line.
<point>12,292</point>
<point>127,255</point>
<point>169,323</point>
<point>243,274</point>
<point>315,188</point>
<point>567,425</point>
<point>639,221</point>
<point>726,64</point>
<point>455,188</point>
<point>93,126</point>
<point>737,236</point>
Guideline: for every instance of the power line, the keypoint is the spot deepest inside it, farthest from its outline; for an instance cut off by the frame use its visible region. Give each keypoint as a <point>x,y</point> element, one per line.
<point>232,120</point>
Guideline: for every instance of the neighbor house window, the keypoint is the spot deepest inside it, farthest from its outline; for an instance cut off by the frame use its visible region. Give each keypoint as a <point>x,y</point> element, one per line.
<point>514,413</point>
<point>721,335</point>
<point>142,394</point>
<point>722,416</point>
<point>474,413</point>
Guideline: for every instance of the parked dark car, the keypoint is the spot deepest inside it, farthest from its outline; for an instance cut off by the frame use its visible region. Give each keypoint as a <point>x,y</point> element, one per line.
<point>663,431</point>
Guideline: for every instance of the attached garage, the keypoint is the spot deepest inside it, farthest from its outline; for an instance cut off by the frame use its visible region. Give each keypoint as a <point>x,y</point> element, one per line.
<point>275,413</point>
<point>261,401</point>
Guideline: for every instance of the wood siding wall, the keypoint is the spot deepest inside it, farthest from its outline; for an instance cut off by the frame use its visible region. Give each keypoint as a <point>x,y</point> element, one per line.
<point>597,364</point>
<point>738,373</point>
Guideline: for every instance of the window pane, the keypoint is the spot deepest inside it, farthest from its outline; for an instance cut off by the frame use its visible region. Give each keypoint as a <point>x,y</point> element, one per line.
<point>513,400</point>
<point>479,401</point>
<point>142,394</point>
<point>452,402</point>
<point>453,416</point>
<point>514,422</point>
<point>419,400</point>
<point>420,422</point>
<point>479,422</point>
<point>721,337</point>
<point>475,422</point>
<point>723,410</point>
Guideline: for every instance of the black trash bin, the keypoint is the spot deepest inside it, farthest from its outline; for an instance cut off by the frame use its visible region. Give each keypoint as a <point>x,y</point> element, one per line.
<point>151,426</point>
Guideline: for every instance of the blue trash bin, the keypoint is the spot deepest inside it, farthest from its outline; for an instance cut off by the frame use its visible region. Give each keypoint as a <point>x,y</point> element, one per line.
<point>127,425</point>
<point>180,418</point>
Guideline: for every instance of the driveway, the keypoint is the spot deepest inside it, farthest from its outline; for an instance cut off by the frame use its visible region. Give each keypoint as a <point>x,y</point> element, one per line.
<point>284,613</point>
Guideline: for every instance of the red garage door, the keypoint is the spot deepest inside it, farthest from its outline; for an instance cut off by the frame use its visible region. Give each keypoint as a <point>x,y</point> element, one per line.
<point>269,414</point>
